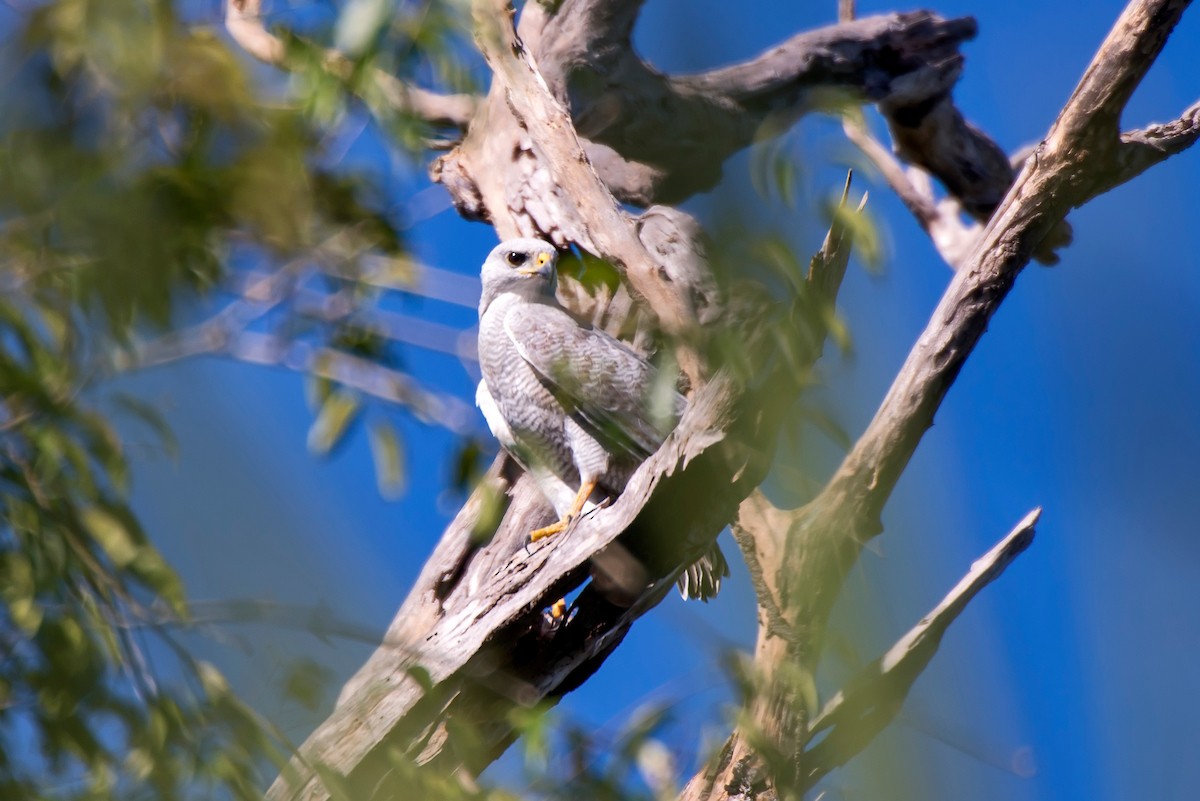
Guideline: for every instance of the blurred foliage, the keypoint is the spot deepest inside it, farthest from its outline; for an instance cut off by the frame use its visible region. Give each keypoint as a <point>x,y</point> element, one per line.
<point>142,166</point>
<point>138,157</point>
<point>566,760</point>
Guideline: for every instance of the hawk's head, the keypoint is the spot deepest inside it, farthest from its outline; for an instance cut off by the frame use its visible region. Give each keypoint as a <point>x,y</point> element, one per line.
<point>523,267</point>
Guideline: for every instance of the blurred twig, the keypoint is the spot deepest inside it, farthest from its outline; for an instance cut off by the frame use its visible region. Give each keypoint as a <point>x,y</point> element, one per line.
<point>872,699</point>
<point>941,220</point>
<point>244,21</point>
<point>227,334</point>
<point>356,372</point>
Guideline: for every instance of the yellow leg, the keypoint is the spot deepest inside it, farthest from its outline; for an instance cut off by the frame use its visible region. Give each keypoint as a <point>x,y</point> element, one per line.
<point>581,497</point>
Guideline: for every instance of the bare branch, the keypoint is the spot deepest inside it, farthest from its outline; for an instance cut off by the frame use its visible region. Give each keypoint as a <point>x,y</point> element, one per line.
<point>476,609</point>
<point>681,128</point>
<point>394,274</point>
<point>492,594</point>
<point>243,20</point>
<point>1142,149</point>
<point>319,620</point>
<point>759,530</point>
<point>421,280</point>
<point>357,373</point>
<point>226,334</point>
<point>942,220</point>
<point>1073,166</point>
<point>824,538</point>
<point>403,328</point>
<point>872,699</point>
<point>919,203</point>
<point>828,266</point>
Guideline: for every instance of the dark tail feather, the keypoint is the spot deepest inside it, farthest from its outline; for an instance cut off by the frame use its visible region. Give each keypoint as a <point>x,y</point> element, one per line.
<point>702,579</point>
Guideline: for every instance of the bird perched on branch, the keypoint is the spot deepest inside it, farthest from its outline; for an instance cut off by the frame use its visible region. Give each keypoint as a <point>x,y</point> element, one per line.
<point>577,408</point>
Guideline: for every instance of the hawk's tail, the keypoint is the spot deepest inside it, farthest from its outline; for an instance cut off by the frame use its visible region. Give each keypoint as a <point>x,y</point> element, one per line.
<point>702,579</point>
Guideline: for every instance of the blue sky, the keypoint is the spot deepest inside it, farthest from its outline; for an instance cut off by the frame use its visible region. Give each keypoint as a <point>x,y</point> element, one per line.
<point>1082,398</point>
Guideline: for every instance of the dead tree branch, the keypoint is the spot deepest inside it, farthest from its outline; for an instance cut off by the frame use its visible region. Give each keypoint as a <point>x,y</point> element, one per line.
<point>941,220</point>
<point>474,637</point>
<point>1082,156</point>
<point>660,139</point>
<point>471,595</point>
<point>872,699</point>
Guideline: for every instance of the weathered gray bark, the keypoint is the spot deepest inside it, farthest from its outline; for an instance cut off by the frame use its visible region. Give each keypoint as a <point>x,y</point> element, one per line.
<point>471,640</point>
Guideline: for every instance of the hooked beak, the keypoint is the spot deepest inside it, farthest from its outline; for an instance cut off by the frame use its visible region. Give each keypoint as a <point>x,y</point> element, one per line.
<point>539,261</point>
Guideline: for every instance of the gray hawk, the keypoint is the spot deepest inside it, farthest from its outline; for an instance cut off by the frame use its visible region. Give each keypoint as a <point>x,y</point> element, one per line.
<point>577,408</point>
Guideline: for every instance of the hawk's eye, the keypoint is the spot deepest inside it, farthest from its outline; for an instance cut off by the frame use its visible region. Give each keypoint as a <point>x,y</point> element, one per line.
<point>515,258</point>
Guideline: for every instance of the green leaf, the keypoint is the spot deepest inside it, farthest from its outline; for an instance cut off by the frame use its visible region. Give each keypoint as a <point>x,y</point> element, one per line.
<point>139,763</point>
<point>317,390</point>
<point>111,534</point>
<point>492,503</point>
<point>27,614</point>
<point>533,727</point>
<point>337,413</point>
<point>388,450</point>
<point>863,231</point>
<point>421,676</point>
<point>153,571</point>
<point>211,679</point>
<point>306,683</point>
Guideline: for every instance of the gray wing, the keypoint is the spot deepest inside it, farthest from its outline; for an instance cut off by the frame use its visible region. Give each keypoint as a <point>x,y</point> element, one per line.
<point>605,386</point>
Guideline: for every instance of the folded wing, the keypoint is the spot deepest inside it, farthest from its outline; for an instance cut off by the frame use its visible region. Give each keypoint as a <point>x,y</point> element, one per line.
<point>612,392</point>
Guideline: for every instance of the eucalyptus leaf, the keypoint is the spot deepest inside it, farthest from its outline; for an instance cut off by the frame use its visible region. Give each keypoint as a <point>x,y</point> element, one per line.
<point>388,452</point>
<point>333,421</point>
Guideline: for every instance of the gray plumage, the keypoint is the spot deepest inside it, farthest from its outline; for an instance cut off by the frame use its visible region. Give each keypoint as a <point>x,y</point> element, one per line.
<point>570,403</point>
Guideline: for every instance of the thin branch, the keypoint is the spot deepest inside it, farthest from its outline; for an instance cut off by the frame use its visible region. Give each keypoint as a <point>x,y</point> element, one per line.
<point>396,275</point>
<point>1077,160</point>
<point>827,268</point>
<point>941,220</point>
<point>226,334</point>
<point>919,203</point>
<point>318,619</point>
<point>243,20</point>
<point>402,328</point>
<point>355,372</point>
<point>1142,149</point>
<point>1078,148</point>
<point>872,699</point>
<point>420,280</point>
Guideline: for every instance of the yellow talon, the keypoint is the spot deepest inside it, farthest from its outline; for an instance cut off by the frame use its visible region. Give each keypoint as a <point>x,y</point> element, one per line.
<point>581,497</point>
<point>550,530</point>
